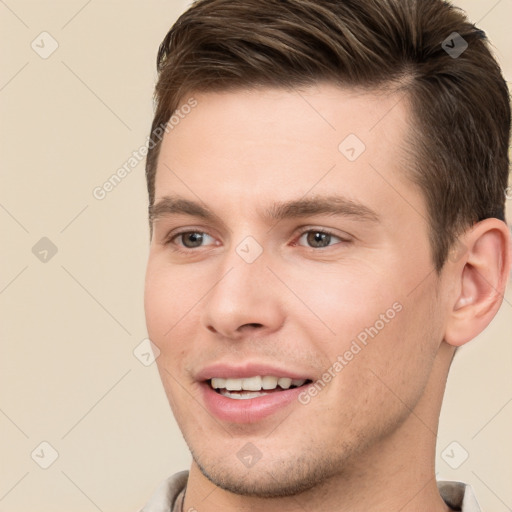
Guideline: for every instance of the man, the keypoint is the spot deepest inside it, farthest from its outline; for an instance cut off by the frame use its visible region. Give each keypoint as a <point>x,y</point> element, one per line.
<point>327,221</point>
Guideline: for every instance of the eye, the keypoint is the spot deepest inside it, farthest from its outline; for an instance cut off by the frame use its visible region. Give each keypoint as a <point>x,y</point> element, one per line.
<point>190,239</point>
<point>318,238</point>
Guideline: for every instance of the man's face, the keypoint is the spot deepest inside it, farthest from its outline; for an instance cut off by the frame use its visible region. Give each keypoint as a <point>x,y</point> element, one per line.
<point>337,290</point>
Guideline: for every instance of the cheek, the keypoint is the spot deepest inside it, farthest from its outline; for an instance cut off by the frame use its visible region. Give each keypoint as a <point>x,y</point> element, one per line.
<point>156,307</point>
<point>372,317</point>
<point>342,302</point>
<point>397,360</point>
<point>168,295</point>
<point>164,306</point>
<point>171,302</point>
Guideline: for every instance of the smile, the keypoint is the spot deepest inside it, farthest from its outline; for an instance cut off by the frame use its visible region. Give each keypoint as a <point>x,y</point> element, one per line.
<point>253,387</point>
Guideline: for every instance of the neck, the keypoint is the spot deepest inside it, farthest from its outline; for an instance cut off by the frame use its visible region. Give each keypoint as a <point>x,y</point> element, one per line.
<point>395,473</point>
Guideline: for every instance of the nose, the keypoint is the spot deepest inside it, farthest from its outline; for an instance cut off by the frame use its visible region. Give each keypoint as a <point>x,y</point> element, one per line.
<point>244,301</point>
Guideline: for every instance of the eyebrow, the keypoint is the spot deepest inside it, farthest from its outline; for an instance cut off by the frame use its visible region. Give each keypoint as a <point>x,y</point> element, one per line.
<point>321,205</point>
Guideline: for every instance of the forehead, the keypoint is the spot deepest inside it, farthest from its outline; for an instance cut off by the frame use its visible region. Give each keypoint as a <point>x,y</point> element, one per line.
<point>276,144</point>
<point>323,110</point>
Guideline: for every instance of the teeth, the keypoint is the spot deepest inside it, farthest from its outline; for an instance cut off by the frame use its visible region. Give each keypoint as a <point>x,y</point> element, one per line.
<point>218,383</point>
<point>269,382</point>
<point>284,382</point>
<point>251,384</point>
<point>233,384</point>
<point>256,383</point>
<point>241,396</point>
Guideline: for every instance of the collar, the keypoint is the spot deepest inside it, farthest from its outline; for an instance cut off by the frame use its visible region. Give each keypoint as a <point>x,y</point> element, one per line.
<point>169,496</point>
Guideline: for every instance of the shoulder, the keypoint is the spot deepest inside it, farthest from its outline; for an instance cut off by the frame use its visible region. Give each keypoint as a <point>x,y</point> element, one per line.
<point>459,496</point>
<point>166,494</point>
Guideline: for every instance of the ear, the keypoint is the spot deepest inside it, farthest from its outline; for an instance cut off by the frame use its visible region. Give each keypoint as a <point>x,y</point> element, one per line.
<point>480,272</point>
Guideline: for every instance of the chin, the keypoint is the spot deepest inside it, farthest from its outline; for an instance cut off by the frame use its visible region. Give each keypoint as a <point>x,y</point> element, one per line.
<point>269,479</point>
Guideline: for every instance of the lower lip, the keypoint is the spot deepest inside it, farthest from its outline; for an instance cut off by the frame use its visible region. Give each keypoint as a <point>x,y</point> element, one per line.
<point>249,410</point>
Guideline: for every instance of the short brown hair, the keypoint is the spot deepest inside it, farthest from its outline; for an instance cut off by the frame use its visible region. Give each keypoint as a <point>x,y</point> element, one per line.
<point>460,103</point>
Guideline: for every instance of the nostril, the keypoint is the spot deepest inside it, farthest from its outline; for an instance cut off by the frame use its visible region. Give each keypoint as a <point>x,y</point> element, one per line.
<point>253,325</point>
<point>243,327</point>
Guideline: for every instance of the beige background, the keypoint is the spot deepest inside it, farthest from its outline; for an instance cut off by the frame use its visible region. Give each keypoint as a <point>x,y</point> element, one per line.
<point>68,374</point>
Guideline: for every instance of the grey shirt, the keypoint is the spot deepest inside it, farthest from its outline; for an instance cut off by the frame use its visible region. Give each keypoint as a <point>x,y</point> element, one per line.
<point>169,496</point>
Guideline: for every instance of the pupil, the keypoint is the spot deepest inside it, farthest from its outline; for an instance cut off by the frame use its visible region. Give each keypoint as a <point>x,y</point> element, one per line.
<point>195,240</point>
<point>318,239</point>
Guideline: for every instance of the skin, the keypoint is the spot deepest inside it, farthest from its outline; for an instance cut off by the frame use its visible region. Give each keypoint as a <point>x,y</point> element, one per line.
<point>366,442</point>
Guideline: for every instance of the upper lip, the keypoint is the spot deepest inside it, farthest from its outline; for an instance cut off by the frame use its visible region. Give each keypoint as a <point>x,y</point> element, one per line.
<point>240,371</point>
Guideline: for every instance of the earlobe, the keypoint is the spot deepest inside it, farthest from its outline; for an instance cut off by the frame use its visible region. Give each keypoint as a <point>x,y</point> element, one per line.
<point>481,274</point>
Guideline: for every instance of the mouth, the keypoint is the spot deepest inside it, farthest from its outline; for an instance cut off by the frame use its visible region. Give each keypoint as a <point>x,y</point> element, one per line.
<point>251,393</point>
<point>248,388</point>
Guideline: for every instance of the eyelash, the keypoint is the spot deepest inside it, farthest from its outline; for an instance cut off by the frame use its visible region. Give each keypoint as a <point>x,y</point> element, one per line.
<point>180,248</point>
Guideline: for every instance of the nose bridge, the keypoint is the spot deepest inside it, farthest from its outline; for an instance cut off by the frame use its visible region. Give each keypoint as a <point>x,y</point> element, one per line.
<point>242,294</point>
<point>244,269</point>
